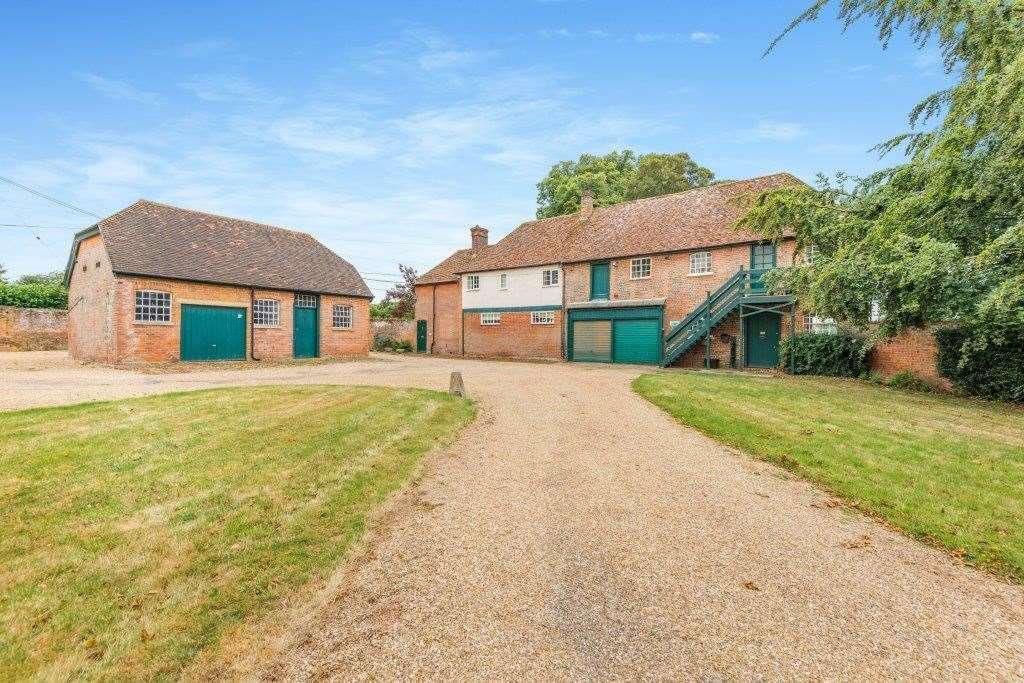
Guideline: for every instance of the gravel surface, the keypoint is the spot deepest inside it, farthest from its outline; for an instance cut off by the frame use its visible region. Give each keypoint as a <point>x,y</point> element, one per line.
<point>574,531</point>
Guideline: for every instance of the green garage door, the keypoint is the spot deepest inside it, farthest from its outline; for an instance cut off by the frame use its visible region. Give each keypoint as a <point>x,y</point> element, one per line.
<point>592,340</point>
<point>637,341</point>
<point>212,332</point>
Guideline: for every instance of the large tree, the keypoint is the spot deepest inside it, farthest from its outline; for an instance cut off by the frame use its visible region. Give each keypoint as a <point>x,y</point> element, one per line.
<point>400,300</point>
<point>616,177</point>
<point>940,235</point>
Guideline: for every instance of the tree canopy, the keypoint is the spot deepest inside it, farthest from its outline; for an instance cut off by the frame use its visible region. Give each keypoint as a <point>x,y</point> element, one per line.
<point>400,300</point>
<point>616,177</point>
<point>938,237</point>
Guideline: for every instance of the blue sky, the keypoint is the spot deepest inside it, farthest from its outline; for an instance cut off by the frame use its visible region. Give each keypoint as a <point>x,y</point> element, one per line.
<point>386,129</point>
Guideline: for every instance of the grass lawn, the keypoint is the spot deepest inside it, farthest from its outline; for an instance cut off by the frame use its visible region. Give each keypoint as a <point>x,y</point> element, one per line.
<point>944,469</point>
<point>137,533</point>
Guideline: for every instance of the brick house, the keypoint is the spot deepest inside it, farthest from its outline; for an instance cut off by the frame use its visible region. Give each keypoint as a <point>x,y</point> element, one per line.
<point>663,280</point>
<point>155,282</point>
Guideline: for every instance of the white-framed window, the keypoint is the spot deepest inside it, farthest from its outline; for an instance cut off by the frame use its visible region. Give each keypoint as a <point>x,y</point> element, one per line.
<point>490,318</point>
<point>266,312</point>
<point>550,278</point>
<point>472,283</point>
<point>305,300</point>
<point>503,281</point>
<point>640,268</point>
<point>341,317</point>
<point>820,325</point>
<point>542,318</point>
<point>700,263</point>
<point>152,306</point>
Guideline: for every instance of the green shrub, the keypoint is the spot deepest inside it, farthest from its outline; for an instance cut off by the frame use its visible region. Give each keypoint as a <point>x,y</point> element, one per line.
<point>832,355</point>
<point>402,345</point>
<point>908,381</point>
<point>990,370</point>
<point>33,295</point>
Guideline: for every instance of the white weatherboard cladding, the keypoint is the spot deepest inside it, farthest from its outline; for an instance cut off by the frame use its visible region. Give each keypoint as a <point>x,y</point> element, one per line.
<point>525,288</point>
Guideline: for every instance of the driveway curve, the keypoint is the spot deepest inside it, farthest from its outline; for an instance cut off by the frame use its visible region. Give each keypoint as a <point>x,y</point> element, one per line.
<point>575,531</point>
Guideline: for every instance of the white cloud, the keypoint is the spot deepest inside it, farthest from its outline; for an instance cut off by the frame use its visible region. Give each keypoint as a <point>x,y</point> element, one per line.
<point>775,131</point>
<point>556,33</point>
<point>323,136</point>
<point>704,37</point>
<point>435,60</point>
<point>118,90</point>
<point>224,88</point>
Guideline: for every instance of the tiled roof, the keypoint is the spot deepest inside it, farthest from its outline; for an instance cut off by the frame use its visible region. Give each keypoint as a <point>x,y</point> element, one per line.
<point>447,270</point>
<point>701,217</point>
<point>157,240</point>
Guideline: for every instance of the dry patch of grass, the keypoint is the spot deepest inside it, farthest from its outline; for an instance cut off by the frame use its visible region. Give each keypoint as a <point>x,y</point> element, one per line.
<point>138,533</point>
<point>944,469</point>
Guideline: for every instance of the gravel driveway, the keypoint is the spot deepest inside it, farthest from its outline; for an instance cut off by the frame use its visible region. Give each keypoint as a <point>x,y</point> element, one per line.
<point>574,531</point>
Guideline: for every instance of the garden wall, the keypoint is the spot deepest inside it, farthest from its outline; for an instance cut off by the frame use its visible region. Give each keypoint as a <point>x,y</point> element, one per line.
<point>33,329</point>
<point>913,350</point>
<point>400,330</point>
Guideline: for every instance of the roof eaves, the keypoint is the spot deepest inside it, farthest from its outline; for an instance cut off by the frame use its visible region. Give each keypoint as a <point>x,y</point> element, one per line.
<point>93,229</point>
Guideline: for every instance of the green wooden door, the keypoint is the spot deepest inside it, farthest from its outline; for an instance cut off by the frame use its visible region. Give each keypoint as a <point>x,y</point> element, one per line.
<point>212,332</point>
<point>592,340</point>
<point>763,333</point>
<point>599,281</point>
<point>421,336</point>
<point>306,332</point>
<point>637,341</point>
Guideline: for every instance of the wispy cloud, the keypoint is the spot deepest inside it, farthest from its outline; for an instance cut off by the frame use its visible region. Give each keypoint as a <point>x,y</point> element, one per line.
<point>775,131</point>
<point>224,88</point>
<point>704,37</point>
<point>556,33</point>
<point>118,90</point>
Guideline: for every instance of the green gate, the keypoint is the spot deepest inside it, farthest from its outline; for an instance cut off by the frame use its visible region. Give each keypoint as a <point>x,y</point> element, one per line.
<point>212,332</point>
<point>421,336</point>
<point>306,326</point>
<point>762,339</point>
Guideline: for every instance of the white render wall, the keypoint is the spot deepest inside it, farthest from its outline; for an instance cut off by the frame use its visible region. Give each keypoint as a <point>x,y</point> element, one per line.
<point>525,288</point>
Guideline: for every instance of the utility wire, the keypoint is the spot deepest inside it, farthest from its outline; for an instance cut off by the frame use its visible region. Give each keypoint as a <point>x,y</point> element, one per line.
<point>39,227</point>
<point>67,205</point>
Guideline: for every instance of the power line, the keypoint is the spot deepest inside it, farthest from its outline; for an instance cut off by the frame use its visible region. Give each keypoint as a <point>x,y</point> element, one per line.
<point>67,205</point>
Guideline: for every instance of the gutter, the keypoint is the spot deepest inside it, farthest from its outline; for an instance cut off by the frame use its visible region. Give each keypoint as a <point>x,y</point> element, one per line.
<point>252,324</point>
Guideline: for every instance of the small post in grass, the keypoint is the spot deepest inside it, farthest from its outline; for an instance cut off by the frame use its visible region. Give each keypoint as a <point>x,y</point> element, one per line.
<point>455,385</point>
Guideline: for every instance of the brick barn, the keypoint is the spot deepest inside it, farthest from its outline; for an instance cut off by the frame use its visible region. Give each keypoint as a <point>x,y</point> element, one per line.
<point>156,283</point>
<point>664,280</point>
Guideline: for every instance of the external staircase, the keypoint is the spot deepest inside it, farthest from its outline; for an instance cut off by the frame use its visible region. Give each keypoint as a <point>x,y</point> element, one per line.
<point>744,291</point>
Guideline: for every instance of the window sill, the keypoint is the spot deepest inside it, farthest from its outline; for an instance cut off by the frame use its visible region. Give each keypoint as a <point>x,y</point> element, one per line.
<point>158,323</point>
<point>549,286</point>
<point>342,329</point>
<point>266,327</point>
<point>710,272</point>
<point>645,277</point>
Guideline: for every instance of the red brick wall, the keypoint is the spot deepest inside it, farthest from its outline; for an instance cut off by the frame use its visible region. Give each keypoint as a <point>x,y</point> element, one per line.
<point>670,278</point>
<point>276,341</point>
<point>91,303</point>
<point>515,337</point>
<point>338,343</point>
<point>914,350</point>
<point>444,335</point>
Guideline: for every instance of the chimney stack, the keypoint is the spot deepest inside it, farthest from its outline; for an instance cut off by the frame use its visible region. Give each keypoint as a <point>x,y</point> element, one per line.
<point>586,203</point>
<point>478,237</point>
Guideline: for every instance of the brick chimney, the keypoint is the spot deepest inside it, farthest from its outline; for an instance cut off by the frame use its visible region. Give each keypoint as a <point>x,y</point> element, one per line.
<point>478,236</point>
<point>586,203</point>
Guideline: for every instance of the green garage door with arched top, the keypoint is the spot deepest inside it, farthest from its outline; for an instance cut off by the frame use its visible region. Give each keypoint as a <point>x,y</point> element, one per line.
<point>212,332</point>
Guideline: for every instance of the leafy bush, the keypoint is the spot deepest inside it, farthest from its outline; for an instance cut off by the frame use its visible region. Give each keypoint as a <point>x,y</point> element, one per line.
<point>33,295</point>
<point>990,370</point>
<point>833,355</point>
<point>383,342</point>
<point>908,381</point>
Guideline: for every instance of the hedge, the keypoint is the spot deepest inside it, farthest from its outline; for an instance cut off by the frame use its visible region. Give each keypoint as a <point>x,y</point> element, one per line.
<point>995,372</point>
<point>832,355</point>
<point>33,295</point>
